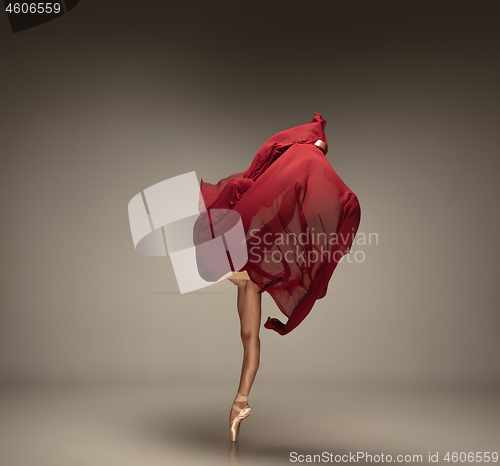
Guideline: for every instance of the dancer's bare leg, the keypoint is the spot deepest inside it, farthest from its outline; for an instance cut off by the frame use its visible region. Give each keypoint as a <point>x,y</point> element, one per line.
<point>249,310</point>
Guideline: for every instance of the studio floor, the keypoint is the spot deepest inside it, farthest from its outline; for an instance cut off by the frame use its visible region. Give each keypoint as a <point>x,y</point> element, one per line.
<point>186,424</point>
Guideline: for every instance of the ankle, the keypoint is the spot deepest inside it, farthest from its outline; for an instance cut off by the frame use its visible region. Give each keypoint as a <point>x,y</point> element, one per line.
<point>240,397</point>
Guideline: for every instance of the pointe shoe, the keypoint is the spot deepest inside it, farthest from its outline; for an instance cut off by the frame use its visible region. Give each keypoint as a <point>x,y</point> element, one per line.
<point>234,425</point>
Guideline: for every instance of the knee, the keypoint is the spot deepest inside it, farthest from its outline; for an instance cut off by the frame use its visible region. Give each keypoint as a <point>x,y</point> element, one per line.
<point>241,284</point>
<point>250,339</point>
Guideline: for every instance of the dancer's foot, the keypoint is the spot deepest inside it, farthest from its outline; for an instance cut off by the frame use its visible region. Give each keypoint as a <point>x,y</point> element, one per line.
<point>238,413</point>
<point>234,412</point>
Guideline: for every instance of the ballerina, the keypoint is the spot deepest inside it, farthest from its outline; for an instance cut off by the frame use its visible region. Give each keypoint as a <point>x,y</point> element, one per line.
<point>299,219</point>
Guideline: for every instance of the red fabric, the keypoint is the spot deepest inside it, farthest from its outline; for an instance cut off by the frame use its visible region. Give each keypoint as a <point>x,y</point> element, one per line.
<point>299,218</point>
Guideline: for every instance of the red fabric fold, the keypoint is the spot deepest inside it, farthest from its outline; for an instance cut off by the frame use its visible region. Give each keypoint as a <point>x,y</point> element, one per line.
<point>299,219</point>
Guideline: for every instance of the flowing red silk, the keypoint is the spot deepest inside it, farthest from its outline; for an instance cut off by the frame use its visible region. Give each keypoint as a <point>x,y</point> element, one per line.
<point>299,219</point>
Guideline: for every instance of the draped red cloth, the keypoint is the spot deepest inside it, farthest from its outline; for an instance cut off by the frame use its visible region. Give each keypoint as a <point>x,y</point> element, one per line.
<point>298,216</point>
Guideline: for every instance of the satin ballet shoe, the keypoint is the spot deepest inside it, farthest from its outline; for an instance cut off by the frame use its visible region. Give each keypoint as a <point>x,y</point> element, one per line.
<point>234,425</point>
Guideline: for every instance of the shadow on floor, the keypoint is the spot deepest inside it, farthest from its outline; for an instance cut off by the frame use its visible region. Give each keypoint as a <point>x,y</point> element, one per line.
<point>203,435</point>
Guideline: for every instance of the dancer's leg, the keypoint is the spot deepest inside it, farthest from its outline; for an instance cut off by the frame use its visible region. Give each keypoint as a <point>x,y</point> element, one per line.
<point>249,310</point>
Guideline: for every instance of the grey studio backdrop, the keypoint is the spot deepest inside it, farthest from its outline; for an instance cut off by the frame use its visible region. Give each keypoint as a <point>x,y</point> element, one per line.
<point>111,99</point>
